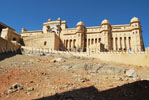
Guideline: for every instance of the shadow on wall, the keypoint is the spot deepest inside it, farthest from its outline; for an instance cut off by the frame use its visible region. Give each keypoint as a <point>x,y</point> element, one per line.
<point>9,54</point>
<point>138,90</point>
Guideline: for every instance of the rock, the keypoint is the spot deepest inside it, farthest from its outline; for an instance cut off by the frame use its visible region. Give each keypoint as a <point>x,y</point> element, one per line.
<point>88,67</point>
<point>60,60</point>
<point>23,63</point>
<point>53,60</point>
<point>30,89</point>
<point>31,81</point>
<point>119,79</point>
<point>42,54</point>
<point>28,93</point>
<point>57,60</point>
<point>10,91</point>
<point>131,73</point>
<point>38,84</point>
<point>66,67</point>
<point>17,86</point>
<point>84,79</point>
<point>69,66</point>
<point>110,70</point>
<point>7,96</point>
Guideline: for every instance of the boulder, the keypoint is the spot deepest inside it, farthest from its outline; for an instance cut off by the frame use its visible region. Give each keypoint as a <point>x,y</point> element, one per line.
<point>10,91</point>
<point>131,73</point>
<point>88,67</point>
<point>57,60</point>
<point>110,70</point>
<point>17,86</point>
<point>30,89</point>
<point>66,67</point>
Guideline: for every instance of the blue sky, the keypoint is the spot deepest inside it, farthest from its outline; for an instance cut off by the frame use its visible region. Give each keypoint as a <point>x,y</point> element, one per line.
<point>31,14</point>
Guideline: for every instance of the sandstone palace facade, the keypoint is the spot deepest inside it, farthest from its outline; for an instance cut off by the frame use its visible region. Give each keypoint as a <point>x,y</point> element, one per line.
<point>55,35</point>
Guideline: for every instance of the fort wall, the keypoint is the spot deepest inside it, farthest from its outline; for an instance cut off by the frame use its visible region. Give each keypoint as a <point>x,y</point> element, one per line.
<point>7,46</point>
<point>47,40</point>
<point>132,58</point>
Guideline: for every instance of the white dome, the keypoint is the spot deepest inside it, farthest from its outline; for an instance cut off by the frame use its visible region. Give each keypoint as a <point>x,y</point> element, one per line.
<point>105,21</point>
<point>80,23</point>
<point>134,19</point>
<point>49,20</point>
<point>59,19</point>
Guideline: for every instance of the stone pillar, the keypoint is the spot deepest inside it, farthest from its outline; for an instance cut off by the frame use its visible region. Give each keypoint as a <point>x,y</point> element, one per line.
<point>98,40</point>
<point>68,44</point>
<point>64,43</point>
<point>118,42</point>
<point>123,43</point>
<point>127,43</point>
<point>114,44</point>
<point>71,43</point>
<point>87,43</point>
<point>90,41</point>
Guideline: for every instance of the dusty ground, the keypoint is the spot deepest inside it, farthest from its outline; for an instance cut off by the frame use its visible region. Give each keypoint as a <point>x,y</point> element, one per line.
<point>52,81</point>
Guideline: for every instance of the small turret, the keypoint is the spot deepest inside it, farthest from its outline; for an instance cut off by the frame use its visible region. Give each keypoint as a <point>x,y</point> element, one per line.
<point>134,19</point>
<point>80,35</point>
<point>105,21</point>
<point>59,19</point>
<point>135,23</point>
<point>49,20</point>
<point>23,30</point>
<point>105,24</point>
<point>80,26</point>
<point>106,29</point>
<point>136,37</point>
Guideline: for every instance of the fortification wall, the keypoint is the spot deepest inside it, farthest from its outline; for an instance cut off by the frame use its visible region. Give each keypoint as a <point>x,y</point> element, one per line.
<point>140,59</point>
<point>7,46</point>
<point>50,41</point>
<point>133,58</point>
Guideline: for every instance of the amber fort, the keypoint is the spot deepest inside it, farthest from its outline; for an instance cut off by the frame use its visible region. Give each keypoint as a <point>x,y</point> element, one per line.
<point>105,37</point>
<point>111,40</point>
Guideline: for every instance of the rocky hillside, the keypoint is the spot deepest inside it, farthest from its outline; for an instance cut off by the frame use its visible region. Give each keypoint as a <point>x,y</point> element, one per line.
<point>67,77</point>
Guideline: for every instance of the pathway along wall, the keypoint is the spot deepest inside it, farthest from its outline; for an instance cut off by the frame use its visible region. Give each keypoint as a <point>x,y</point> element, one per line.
<point>7,46</point>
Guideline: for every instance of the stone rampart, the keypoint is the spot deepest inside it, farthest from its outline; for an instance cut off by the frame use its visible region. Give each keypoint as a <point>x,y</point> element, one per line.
<point>8,46</point>
<point>132,58</point>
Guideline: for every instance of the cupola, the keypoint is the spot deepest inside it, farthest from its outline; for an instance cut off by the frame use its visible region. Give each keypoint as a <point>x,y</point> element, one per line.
<point>134,19</point>
<point>105,21</point>
<point>80,23</point>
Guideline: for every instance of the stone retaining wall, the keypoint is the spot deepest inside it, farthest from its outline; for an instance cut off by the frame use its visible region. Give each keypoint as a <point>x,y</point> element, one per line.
<point>134,58</point>
<point>7,46</point>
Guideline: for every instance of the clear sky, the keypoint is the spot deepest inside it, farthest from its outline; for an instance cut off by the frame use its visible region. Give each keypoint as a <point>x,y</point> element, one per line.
<point>30,14</point>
